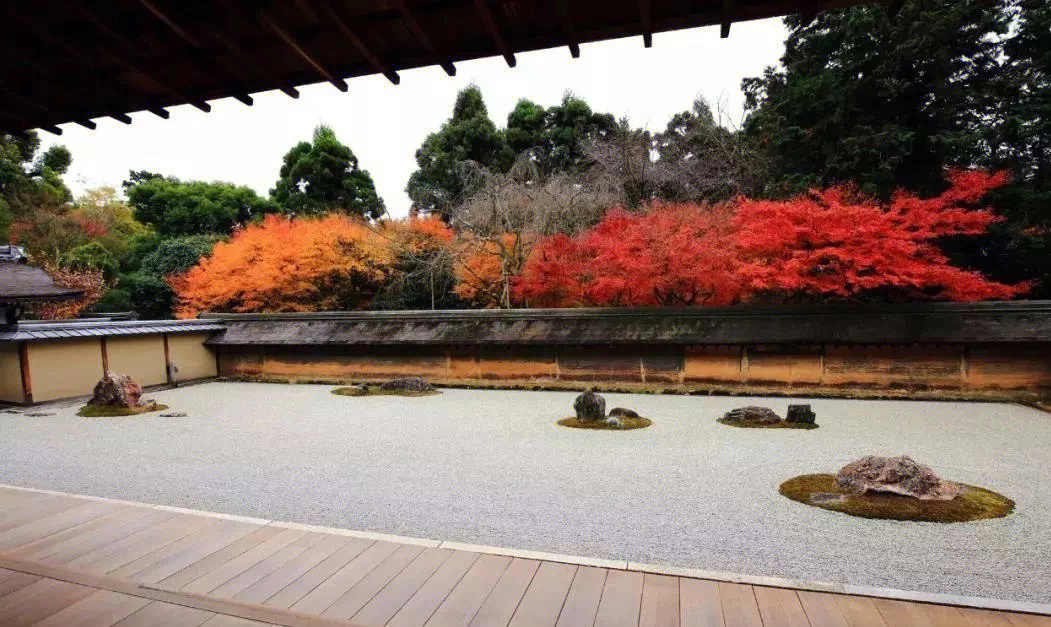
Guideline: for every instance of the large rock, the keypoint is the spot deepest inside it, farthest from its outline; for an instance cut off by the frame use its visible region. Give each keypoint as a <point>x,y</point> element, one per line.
<point>895,475</point>
<point>115,390</point>
<point>590,407</point>
<point>801,414</point>
<point>406,384</point>
<point>623,412</point>
<point>753,414</point>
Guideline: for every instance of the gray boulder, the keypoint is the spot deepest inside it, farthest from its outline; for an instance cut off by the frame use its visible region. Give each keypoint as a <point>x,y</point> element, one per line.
<point>614,422</point>
<point>406,384</point>
<point>801,414</point>
<point>759,415</point>
<point>623,412</point>
<point>590,407</point>
<point>895,475</point>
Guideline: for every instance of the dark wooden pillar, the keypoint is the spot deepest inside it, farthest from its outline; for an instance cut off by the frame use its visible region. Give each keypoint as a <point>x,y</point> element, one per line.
<point>23,364</point>
<point>105,356</point>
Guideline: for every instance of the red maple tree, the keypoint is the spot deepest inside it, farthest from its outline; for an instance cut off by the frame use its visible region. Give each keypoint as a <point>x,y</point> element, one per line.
<point>830,243</point>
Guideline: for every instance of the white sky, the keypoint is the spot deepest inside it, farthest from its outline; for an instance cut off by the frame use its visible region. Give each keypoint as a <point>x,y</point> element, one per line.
<point>384,124</point>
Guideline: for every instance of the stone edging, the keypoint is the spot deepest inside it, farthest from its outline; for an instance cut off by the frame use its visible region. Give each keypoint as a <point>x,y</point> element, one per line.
<point>696,573</point>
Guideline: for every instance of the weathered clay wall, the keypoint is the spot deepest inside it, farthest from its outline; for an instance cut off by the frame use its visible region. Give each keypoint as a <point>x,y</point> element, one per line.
<point>189,354</point>
<point>10,375</point>
<point>919,366</point>
<point>141,357</point>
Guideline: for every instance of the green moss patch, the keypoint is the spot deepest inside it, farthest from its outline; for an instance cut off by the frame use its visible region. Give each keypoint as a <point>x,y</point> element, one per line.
<point>627,424</point>
<point>376,391</point>
<point>754,424</point>
<point>105,411</point>
<point>972,503</point>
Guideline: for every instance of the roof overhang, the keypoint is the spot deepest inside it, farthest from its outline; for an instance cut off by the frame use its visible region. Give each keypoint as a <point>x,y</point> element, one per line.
<point>78,61</point>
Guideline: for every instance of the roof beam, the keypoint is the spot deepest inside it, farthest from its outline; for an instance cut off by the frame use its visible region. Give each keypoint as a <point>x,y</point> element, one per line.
<point>123,117</point>
<point>417,31</point>
<point>646,21</point>
<point>192,41</point>
<point>495,31</point>
<point>727,18</point>
<point>298,48</point>
<point>120,60</point>
<point>235,49</point>
<point>88,124</point>
<point>567,28</point>
<point>160,112</point>
<point>355,40</point>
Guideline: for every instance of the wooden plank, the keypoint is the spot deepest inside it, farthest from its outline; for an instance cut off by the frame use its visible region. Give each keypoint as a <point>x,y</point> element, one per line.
<point>14,581</point>
<point>859,611</point>
<point>291,570</point>
<point>41,548</point>
<point>23,366</point>
<point>88,542</point>
<point>20,506</point>
<point>131,547</point>
<point>504,598</point>
<point>986,618</point>
<point>200,532</point>
<point>545,596</point>
<point>39,600</point>
<point>355,598</point>
<point>217,558</point>
<point>621,599</point>
<point>581,604</point>
<point>739,606</point>
<point>821,609</point>
<point>42,527</point>
<point>192,549</point>
<point>303,584</point>
<point>902,613</point>
<point>271,563</point>
<point>943,615</point>
<point>382,607</point>
<point>225,572</point>
<point>158,613</point>
<point>1029,620</point>
<point>780,607</point>
<point>469,594</point>
<point>102,607</point>
<point>699,603</point>
<point>426,600</point>
<point>660,601</point>
<point>329,591</point>
<point>221,620</point>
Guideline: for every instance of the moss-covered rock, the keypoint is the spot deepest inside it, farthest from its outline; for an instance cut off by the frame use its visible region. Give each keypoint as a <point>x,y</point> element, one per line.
<point>822,490</point>
<point>375,390</point>
<point>106,411</point>
<point>625,423</point>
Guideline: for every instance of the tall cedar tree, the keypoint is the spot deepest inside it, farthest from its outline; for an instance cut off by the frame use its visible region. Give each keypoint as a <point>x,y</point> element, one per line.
<point>324,176</point>
<point>448,158</point>
<point>829,244</point>
<point>880,100</point>
<point>556,136</point>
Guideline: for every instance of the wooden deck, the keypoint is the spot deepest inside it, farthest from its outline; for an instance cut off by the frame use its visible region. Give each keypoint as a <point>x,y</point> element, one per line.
<point>66,560</point>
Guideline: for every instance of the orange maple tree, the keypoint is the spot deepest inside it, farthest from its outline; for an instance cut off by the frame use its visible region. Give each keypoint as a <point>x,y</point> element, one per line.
<point>281,264</point>
<point>831,243</point>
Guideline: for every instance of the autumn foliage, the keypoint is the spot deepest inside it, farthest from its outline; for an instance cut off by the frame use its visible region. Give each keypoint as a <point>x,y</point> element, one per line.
<point>88,281</point>
<point>831,243</point>
<point>282,264</point>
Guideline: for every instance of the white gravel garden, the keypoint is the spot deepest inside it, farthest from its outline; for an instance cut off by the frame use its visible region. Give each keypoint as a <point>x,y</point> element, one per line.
<point>492,467</point>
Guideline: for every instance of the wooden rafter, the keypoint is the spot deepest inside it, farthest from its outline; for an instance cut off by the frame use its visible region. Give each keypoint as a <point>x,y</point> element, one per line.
<point>160,112</point>
<point>246,58</point>
<point>566,23</point>
<point>417,31</point>
<point>123,61</point>
<point>727,18</point>
<point>185,35</point>
<point>489,20</point>
<point>646,22</point>
<point>296,46</point>
<point>332,14</point>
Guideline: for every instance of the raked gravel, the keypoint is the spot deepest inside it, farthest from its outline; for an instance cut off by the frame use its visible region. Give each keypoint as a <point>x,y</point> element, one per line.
<point>492,467</point>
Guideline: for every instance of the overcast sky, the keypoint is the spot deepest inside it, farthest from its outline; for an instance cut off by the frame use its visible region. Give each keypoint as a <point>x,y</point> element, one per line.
<point>384,124</point>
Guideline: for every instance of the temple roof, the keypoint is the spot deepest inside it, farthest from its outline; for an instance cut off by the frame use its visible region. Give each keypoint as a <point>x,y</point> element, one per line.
<point>20,282</point>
